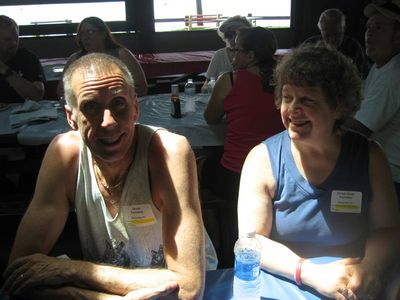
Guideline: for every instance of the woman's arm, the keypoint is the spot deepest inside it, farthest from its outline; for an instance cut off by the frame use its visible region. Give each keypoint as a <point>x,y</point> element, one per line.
<point>255,210</point>
<point>136,70</point>
<point>215,108</point>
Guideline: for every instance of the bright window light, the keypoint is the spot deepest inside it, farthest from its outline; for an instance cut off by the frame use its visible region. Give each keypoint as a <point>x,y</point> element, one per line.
<point>65,13</point>
<point>181,14</point>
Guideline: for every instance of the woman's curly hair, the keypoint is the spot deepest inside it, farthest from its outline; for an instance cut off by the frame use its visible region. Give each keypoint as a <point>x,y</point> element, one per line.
<point>326,68</point>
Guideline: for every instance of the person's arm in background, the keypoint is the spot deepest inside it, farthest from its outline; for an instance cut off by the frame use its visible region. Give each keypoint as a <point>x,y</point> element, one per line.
<point>136,70</point>
<point>255,210</point>
<point>215,107</point>
<point>378,107</point>
<point>27,89</point>
<point>382,249</point>
<point>209,73</point>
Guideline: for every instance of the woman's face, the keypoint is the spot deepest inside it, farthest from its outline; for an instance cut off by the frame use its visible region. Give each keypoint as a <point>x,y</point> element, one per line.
<point>91,38</point>
<point>241,57</point>
<point>306,114</point>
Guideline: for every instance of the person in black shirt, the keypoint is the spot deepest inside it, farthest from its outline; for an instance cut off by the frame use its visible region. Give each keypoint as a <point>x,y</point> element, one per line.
<point>21,74</point>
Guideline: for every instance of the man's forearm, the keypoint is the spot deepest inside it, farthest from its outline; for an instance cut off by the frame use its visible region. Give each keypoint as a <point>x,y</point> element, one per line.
<point>25,88</point>
<point>116,280</point>
<point>68,293</point>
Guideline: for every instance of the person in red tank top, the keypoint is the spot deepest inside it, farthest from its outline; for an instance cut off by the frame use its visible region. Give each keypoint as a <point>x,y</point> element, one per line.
<point>245,98</point>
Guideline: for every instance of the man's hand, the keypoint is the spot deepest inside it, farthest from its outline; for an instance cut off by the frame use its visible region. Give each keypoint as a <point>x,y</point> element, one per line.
<point>32,271</point>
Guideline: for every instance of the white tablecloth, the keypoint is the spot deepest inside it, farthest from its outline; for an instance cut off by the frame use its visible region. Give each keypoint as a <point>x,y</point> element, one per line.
<point>153,110</point>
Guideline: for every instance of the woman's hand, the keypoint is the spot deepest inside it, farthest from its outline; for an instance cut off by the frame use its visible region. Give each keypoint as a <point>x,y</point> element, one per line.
<point>332,279</point>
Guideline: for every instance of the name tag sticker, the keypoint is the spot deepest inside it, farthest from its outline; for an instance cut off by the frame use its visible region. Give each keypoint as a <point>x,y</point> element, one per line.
<point>346,202</point>
<point>141,215</point>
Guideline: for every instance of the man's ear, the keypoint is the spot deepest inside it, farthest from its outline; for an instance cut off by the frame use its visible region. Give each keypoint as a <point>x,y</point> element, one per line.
<point>71,117</point>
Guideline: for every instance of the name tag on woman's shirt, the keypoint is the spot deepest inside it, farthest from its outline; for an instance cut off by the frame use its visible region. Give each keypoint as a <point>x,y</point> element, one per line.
<point>346,202</point>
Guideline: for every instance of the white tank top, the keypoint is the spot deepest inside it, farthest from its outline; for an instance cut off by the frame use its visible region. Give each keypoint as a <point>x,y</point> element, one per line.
<point>133,238</point>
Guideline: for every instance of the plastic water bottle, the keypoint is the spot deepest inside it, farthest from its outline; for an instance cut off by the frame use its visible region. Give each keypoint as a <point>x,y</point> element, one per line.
<point>247,279</point>
<point>190,101</point>
<point>190,89</point>
<point>210,85</point>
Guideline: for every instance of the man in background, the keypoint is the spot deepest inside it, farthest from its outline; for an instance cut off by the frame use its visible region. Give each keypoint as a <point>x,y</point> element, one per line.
<point>379,114</point>
<point>21,74</point>
<point>332,25</point>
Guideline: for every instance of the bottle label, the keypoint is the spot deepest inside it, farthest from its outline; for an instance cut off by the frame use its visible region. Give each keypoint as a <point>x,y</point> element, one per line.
<point>175,107</point>
<point>247,264</point>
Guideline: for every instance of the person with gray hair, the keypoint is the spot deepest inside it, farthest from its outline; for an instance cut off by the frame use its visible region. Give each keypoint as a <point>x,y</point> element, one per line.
<point>332,26</point>
<point>21,74</point>
<point>221,61</point>
<point>134,191</point>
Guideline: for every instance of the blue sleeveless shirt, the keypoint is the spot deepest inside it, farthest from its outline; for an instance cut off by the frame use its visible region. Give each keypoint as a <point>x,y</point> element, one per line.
<point>309,219</point>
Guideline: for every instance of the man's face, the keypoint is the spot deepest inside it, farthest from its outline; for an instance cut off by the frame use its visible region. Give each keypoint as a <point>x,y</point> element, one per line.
<point>381,39</point>
<point>332,33</point>
<point>8,42</point>
<point>105,113</point>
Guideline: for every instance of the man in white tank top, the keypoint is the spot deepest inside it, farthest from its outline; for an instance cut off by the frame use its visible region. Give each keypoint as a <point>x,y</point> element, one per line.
<point>134,190</point>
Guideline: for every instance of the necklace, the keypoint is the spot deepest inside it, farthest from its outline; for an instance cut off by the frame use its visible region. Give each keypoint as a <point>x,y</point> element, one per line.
<point>111,189</point>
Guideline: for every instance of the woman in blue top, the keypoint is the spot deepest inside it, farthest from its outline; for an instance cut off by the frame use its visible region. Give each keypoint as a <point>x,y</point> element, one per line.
<point>318,190</point>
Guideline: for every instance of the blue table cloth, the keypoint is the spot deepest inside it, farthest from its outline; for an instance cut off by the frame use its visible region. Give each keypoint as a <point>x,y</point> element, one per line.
<point>219,286</point>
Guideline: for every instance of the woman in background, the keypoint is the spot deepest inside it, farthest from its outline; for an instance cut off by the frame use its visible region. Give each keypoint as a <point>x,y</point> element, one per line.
<point>93,35</point>
<point>246,98</point>
<point>317,190</point>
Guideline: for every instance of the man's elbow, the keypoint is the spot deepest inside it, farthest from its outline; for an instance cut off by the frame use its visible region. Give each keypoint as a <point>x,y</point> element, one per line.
<point>194,292</point>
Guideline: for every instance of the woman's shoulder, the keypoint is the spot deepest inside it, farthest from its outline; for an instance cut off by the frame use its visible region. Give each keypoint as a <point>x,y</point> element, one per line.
<point>276,139</point>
